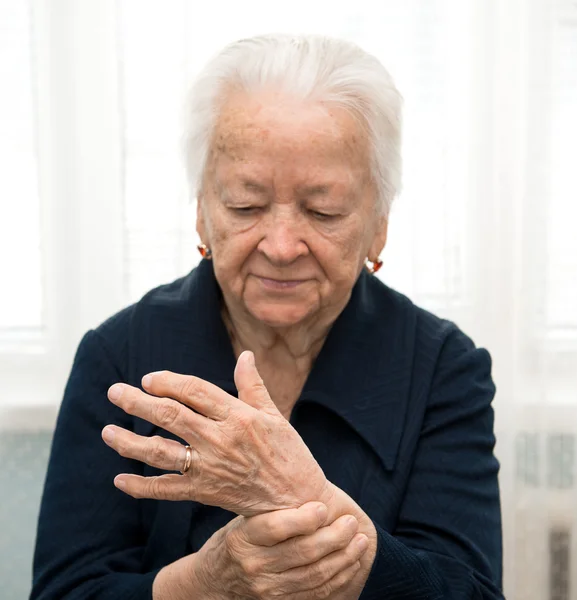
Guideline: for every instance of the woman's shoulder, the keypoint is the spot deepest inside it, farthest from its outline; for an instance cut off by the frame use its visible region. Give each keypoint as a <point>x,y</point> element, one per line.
<point>428,326</point>
<point>124,334</point>
<point>160,300</point>
<point>436,341</point>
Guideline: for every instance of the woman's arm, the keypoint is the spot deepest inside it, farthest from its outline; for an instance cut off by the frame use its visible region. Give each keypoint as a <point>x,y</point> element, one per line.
<point>447,543</point>
<point>177,581</point>
<point>89,541</point>
<point>289,553</point>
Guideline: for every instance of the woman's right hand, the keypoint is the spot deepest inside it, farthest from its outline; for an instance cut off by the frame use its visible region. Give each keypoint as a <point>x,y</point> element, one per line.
<point>287,553</point>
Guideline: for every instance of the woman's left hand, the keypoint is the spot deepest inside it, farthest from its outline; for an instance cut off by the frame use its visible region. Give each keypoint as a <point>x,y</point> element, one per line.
<point>246,457</point>
<point>291,554</point>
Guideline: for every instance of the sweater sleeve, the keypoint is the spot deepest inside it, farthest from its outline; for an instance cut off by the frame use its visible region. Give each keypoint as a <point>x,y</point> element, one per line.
<point>89,541</point>
<point>447,542</point>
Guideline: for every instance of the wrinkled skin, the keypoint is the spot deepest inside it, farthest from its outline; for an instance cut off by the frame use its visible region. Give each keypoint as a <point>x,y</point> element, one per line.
<point>288,208</point>
<point>247,458</point>
<point>288,196</point>
<point>283,554</point>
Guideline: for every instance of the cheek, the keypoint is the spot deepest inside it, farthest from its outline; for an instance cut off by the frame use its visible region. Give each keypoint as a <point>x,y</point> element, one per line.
<point>228,241</point>
<point>341,253</point>
<point>231,253</point>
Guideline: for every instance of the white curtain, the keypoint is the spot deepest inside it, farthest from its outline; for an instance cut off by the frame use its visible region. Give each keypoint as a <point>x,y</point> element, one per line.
<point>484,233</point>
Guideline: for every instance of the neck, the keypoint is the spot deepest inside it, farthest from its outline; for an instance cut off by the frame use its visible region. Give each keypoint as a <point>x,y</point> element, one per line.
<point>294,347</point>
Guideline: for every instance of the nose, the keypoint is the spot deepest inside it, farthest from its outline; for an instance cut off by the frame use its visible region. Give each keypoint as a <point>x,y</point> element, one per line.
<point>283,241</point>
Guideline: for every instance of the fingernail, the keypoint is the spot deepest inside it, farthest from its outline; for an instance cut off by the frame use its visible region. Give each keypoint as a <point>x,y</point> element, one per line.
<point>250,358</point>
<point>351,522</point>
<point>115,391</point>
<point>108,434</point>
<point>120,483</point>
<point>322,512</point>
<point>147,379</point>
<point>363,543</point>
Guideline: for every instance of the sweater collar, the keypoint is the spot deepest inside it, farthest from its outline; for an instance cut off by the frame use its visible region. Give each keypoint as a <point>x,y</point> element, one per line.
<point>362,372</point>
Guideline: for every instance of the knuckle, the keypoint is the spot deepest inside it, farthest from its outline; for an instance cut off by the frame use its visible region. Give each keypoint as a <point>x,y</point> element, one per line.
<point>156,488</point>
<point>167,414</point>
<point>201,393</point>
<point>189,387</point>
<point>316,575</point>
<point>258,384</point>
<point>251,566</point>
<point>345,531</point>
<point>307,523</point>
<point>260,588</point>
<point>322,591</point>
<point>345,576</point>
<point>156,453</point>
<point>124,451</point>
<point>305,550</point>
<point>245,419</point>
<point>277,530</point>
<point>353,551</point>
<point>129,401</point>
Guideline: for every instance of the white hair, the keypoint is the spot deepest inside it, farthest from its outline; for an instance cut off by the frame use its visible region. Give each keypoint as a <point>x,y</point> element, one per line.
<point>323,69</point>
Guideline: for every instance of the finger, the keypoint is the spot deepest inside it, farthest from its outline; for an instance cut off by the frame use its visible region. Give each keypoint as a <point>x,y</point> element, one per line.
<point>271,528</point>
<point>250,386</point>
<point>318,576</point>
<point>309,549</point>
<point>204,397</point>
<point>163,487</point>
<point>164,412</point>
<point>338,582</point>
<point>155,451</point>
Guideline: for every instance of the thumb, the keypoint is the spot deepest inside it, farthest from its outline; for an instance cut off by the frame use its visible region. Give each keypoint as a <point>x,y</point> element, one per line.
<point>250,386</point>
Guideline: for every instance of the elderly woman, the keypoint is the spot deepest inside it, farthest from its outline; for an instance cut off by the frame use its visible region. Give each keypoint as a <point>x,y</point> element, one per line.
<point>318,434</point>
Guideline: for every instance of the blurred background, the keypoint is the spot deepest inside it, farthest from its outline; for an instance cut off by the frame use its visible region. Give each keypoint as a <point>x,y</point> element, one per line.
<point>94,212</point>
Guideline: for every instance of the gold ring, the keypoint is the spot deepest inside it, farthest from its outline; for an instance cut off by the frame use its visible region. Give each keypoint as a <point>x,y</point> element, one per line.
<point>187,460</point>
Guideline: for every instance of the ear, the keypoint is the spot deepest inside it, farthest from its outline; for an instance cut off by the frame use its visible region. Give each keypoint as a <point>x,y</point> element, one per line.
<point>200,221</point>
<point>380,239</point>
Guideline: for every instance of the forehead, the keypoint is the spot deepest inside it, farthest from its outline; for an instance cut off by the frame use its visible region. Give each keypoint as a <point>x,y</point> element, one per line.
<point>271,127</point>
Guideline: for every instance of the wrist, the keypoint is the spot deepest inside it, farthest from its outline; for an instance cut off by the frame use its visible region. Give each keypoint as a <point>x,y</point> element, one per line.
<point>179,581</point>
<point>198,578</point>
<point>339,503</point>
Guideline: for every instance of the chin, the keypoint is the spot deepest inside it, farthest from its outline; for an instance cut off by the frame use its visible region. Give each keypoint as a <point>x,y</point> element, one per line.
<point>275,315</point>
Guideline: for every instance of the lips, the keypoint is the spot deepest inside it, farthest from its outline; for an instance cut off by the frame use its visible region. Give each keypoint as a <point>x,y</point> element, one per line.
<point>281,284</point>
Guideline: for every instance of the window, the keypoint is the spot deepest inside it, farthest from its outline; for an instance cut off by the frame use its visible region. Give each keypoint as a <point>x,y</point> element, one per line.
<point>561,255</point>
<point>20,265</point>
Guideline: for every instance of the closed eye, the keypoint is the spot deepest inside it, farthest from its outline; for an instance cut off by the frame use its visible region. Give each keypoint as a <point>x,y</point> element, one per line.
<point>322,216</point>
<point>245,210</point>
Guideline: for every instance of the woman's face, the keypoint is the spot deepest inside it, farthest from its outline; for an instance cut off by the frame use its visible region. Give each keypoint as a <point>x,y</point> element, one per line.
<point>288,207</point>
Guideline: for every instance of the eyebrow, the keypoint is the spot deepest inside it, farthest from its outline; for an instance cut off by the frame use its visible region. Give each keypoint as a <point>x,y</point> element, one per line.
<point>305,190</point>
<point>253,186</point>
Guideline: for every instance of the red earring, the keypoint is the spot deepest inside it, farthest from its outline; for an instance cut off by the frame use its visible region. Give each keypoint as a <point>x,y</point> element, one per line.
<point>205,251</point>
<point>374,266</point>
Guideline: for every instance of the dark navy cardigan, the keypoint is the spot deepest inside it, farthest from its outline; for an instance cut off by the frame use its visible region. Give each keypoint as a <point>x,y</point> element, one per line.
<point>397,411</point>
